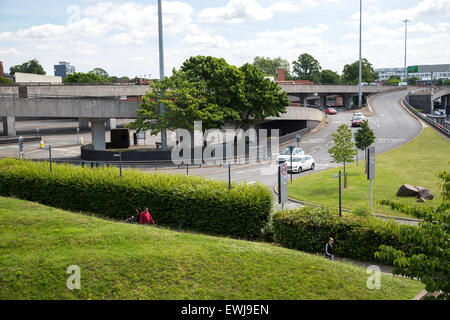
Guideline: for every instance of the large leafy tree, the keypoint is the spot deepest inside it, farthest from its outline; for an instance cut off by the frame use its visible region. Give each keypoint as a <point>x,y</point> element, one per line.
<point>185,102</point>
<point>429,258</point>
<point>307,68</point>
<point>263,98</point>
<point>79,77</point>
<point>330,77</point>
<point>350,74</point>
<point>364,137</point>
<point>343,149</point>
<point>31,66</point>
<point>270,66</point>
<point>100,72</point>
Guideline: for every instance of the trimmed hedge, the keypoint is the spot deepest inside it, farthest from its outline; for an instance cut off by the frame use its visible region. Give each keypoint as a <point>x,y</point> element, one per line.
<point>178,201</point>
<point>308,229</point>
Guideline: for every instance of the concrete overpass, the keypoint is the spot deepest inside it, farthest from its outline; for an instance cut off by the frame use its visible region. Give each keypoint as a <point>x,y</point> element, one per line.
<point>99,111</point>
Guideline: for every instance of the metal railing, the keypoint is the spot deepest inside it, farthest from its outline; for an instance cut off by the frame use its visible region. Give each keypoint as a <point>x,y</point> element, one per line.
<point>422,116</point>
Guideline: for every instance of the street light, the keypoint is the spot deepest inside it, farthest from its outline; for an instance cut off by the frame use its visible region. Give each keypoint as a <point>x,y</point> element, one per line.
<point>360,62</point>
<point>120,161</point>
<point>406,39</point>
<point>161,70</point>
<point>291,150</point>
<point>340,192</point>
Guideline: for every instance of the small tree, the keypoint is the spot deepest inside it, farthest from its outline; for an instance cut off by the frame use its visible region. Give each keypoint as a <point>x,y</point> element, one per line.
<point>393,81</point>
<point>31,66</point>
<point>364,137</point>
<point>429,258</point>
<point>307,68</point>
<point>100,72</point>
<point>412,81</point>
<point>343,149</point>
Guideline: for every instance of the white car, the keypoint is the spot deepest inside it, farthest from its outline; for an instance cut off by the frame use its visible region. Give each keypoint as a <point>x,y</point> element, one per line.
<point>300,164</point>
<point>285,155</point>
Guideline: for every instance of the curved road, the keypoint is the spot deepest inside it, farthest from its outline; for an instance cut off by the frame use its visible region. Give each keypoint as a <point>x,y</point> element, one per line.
<point>393,126</point>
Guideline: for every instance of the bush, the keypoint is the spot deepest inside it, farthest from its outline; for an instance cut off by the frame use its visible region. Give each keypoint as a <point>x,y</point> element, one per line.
<point>308,229</point>
<point>177,201</point>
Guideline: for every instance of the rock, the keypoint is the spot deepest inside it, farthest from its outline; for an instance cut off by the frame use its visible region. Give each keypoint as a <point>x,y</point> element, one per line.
<point>421,200</point>
<point>407,190</point>
<point>424,193</point>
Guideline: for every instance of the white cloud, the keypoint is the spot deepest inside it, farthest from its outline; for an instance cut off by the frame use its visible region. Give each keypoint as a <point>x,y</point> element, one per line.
<point>238,11</point>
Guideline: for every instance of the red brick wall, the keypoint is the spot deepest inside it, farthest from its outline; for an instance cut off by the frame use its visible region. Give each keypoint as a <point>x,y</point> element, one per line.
<point>281,74</point>
<point>1,69</point>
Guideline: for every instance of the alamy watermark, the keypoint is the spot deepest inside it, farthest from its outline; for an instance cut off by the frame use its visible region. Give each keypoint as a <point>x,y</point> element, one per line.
<point>374,280</point>
<point>74,280</point>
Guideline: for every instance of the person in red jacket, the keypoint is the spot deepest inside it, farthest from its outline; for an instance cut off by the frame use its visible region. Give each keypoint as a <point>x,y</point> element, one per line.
<point>146,218</point>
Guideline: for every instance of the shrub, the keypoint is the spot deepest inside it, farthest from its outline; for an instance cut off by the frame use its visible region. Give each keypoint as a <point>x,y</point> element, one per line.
<point>178,201</point>
<point>308,229</point>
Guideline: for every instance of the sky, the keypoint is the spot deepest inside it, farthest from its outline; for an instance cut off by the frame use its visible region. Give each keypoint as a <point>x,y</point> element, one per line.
<point>122,36</point>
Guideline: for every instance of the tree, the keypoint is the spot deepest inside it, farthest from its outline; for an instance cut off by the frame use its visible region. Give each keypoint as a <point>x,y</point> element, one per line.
<point>270,66</point>
<point>31,66</point>
<point>412,81</point>
<point>185,102</point>
<point>263,98</point>
<point>364,137</point>
<point>393,81</point>
<point>330,77</point>
<point>429,257</point>
<point>350,74</point>
<point>447,82</point>
<point>100,72</point>
<point>307,68</point>
<point>4,80</point>
<point>343,149</point>
<point>79,77</point>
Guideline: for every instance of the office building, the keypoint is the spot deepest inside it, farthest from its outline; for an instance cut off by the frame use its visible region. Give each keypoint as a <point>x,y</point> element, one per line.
<point>63,69</point>
<point>423,72</point>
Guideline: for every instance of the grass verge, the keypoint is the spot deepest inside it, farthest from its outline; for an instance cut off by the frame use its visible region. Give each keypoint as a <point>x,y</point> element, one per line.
<point>122,261</point>
<point>415,163</point>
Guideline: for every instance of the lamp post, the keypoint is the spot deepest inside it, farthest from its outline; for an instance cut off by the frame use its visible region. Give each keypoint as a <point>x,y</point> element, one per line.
<point>406,39</point>
<point>360,56</point>
<point>120,161</point>
<point>291,150</point>
<point>161,70</point>
<point>340,192</point>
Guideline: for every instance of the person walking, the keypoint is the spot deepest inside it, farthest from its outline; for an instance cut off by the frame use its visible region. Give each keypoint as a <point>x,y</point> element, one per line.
<point>146,218</point>
<point>329,250</point>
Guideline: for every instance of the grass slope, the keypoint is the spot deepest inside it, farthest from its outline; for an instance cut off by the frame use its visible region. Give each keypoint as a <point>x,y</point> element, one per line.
<point>415,163</point>
<point>121,261</point>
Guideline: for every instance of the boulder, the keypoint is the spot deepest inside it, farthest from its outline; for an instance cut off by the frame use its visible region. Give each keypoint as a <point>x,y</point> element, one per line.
<point>424,193</point>
<point>407,190</point>
<point>421,200</point>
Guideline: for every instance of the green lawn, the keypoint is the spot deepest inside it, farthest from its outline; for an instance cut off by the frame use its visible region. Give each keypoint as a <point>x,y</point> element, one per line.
<point>122,261</point>
<point>415,163</point>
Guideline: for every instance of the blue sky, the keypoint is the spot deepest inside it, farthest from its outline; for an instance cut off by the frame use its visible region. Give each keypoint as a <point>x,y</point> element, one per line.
<point>121,36</point>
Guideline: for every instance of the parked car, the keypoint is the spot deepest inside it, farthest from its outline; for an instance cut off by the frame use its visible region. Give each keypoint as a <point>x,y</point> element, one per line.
<point>357,119</point>
<point>285,155</point>
<point>300,164</point>
<point>330,111</point>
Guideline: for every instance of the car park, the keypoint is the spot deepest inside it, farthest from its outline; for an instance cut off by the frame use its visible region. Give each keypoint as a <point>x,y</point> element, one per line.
<point>330,111</point>
<point>285,155</point>
<point>300,164</point>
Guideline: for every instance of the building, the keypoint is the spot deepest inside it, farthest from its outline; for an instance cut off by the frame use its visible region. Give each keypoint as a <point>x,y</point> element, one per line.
<point>27,78</point>
<point>422,72</point>
<point>63,69</point>
<point>1,69</point>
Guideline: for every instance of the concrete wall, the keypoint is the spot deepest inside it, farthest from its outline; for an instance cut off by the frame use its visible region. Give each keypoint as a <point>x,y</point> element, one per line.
<point>36,78</point>
<point>422,102</point>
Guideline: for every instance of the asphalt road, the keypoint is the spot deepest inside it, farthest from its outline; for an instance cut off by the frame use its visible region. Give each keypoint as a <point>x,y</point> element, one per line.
<point>393,126</point>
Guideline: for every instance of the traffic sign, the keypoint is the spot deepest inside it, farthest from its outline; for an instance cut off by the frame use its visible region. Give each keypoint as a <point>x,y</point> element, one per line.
<point>371,163</point>
<point>282,184</point>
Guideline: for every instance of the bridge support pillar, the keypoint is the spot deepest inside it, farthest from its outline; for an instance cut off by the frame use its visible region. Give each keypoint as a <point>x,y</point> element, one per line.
<point>347,101</point>
<point>9,126</point>
<point>323,101</point>
<point>83,124</point>
<point>98,133</point>
<point>111,124</point>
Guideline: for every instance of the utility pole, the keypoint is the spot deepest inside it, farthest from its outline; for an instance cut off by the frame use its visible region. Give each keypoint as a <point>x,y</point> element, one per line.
<point>360,62</point>
<point>161,70</point>
<point>406,39</point>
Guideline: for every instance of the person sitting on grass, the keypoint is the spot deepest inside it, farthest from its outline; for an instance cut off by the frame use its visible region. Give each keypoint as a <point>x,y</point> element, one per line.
<point>146,218</point>
<point>329,251</point>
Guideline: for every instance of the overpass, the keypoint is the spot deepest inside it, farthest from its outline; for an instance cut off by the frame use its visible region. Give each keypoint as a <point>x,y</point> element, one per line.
<point>99,111</point>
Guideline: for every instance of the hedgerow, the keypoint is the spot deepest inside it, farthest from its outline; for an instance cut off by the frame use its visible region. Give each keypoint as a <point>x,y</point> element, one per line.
<point>178,201</point>
<point>308,229</point>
